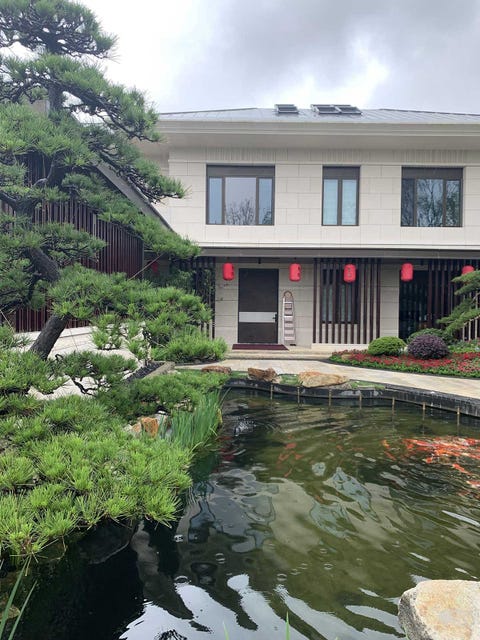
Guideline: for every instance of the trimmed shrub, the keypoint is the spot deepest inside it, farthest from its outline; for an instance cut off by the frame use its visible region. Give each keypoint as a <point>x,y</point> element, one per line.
<point>386,346</point>
<point>146,396</point>
<point>429,332</point>
<point>428,347</point>
<point>191,346</point>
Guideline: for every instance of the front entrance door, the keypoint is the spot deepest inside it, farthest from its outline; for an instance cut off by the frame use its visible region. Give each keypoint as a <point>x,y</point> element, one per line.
<point>258,305</point>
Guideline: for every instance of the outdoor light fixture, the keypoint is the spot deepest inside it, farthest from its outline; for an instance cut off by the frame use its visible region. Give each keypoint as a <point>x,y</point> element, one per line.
<point>406,272</point>
<point>349,273</point>
<point>228,271</point>
<point>467,269</point>
<point>295,272</point>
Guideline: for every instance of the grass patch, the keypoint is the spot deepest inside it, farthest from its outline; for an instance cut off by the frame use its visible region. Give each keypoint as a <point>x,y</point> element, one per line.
<point>291,379</point>
<point>364,384</point>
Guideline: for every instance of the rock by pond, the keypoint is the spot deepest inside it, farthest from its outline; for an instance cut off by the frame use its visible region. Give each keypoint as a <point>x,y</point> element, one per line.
<point>318,379</point>
<point>441,610</point>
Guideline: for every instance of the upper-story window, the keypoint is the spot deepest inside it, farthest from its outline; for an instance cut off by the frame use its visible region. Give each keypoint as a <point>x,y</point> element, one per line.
<point>340,195</point>
<point>431,197</point>
<point>240,195</point>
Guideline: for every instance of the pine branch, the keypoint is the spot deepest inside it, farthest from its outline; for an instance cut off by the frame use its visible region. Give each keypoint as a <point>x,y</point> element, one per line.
<point>58,26</point>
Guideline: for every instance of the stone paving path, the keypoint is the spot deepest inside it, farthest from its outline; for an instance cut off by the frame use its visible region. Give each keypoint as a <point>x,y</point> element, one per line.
<point>298,359</point>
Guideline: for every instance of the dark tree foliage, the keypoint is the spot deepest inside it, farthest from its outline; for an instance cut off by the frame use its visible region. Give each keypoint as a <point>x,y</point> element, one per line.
<point>467,310</point>
<point>89,124</point>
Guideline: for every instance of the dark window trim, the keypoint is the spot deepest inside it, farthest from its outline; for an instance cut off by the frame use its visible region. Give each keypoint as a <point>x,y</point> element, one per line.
<point>433,173</point>
<point>339,174</point>
<point>234,171</point>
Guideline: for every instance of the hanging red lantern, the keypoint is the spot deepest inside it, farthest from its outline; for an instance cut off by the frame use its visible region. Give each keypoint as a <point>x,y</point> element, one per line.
<point>467,269</point>
<point>295,272</point>
<point>406,272</point>
<point>228,271</point>
<point>349,273</point>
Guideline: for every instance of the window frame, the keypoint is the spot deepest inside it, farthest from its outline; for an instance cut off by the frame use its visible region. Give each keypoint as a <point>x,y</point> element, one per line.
<point>224,171</point>
<point>340,174</point>
<point>433,173</point>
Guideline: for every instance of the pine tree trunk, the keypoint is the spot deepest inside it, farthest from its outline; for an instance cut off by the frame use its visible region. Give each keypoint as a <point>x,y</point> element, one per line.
<point>49,335</point>
<point>55,324</point>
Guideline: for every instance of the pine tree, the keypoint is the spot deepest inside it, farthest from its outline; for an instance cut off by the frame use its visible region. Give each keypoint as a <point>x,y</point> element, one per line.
<point>468,308</point>
<point>88,127</point>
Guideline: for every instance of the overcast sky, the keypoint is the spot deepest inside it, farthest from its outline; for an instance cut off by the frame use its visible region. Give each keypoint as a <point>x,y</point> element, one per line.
<point>209,54</point>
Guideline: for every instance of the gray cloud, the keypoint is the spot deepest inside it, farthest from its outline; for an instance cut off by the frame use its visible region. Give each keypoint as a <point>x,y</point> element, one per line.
<point>230,53</point>
<point>267,48</point>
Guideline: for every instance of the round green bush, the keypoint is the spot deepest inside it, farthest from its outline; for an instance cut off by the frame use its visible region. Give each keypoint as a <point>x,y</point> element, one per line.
<point>428,347</point>
<point>386,346</point>
<point>428,332</point>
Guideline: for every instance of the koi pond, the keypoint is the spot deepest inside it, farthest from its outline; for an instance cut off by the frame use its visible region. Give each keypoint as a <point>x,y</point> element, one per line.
<point>324,515</point>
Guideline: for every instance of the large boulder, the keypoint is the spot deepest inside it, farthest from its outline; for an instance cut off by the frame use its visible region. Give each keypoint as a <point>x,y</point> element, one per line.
<point>441,610</point>
<point>319,379</point>
<point>145,424</point>
<point>267,375</point>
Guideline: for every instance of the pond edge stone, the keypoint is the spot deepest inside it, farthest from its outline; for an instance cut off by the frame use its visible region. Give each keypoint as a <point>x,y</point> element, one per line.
<point>441,610</point>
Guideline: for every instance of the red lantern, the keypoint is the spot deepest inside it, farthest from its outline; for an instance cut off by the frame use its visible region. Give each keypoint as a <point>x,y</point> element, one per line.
<point>349,273</point>
<point>228,271</point>
<point>295,273</point>
<point>406,272</point>
<point>467,269</point>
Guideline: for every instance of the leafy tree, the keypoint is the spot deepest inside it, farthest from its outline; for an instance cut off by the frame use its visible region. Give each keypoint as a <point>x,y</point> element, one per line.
<point>468,309</point>
<point>87,132</point>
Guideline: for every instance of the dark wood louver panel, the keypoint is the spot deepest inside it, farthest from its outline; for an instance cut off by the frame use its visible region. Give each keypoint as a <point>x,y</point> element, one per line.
<point>431,296</point>
<point>123,253</point>
<point>346,313</point>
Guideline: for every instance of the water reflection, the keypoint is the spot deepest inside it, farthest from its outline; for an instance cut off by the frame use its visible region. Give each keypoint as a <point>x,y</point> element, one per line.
<point>304,512</point>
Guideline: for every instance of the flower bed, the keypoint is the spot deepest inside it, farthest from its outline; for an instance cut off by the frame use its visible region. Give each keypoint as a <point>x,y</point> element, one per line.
<point>464,365</point>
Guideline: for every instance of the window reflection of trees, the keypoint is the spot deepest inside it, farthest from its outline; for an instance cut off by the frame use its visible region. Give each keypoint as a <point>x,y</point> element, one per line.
<point>431,198</point>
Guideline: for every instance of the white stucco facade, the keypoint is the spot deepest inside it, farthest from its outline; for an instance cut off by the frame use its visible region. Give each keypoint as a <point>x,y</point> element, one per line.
<point>298,152</point>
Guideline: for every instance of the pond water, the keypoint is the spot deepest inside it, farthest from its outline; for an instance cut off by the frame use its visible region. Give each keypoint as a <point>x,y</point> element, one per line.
<point>326,515</point>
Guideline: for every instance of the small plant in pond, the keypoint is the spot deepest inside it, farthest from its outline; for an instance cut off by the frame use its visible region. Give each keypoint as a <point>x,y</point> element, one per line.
<point>10,611</point>
<point>427,347</point>
<point>386,346</point>
<point>192,428</point>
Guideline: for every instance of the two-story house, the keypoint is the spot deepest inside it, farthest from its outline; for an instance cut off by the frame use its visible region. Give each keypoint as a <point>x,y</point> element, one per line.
<point>361,218</point>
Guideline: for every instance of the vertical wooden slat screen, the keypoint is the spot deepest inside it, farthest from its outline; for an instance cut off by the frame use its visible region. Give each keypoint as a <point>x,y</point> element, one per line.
<point>431,296</point>
<point>346,311</point>
<point>123,253</point>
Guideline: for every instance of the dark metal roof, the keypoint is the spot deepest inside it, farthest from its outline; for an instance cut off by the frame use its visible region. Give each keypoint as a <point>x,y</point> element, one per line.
<point>373,116</point>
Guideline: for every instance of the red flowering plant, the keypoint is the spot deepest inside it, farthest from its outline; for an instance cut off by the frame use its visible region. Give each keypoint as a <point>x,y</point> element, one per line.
<point>465,365</point>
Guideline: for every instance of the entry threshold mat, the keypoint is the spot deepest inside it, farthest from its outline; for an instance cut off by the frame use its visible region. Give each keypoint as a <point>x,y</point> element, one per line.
<point>253,346</point>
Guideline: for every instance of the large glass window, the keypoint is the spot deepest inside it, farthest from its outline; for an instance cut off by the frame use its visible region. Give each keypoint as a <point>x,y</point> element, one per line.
<point>240,195</point>
<point>431,197</point>
<point>340,196</point>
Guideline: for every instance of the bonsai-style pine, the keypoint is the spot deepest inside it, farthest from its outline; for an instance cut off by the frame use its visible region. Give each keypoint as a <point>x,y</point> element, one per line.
<point>63,126</point>
<point>468,309</point>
